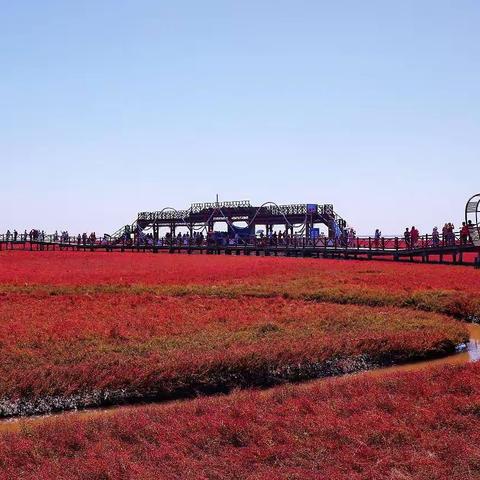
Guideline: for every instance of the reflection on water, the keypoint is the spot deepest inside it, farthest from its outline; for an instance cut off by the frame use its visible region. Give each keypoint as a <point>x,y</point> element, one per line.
<point>469,353</point>
<point>474,344</point>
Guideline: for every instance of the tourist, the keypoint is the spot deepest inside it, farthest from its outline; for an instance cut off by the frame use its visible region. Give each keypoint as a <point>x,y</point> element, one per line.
<point>351,237</point>
<point>450,234</point>
<point>445,234</point>
<point>377,237</point>
<point>435,237</point>
<point>414,235</point>
<point>470,230</point>
<point>464,234</point>
<point>406,236</point>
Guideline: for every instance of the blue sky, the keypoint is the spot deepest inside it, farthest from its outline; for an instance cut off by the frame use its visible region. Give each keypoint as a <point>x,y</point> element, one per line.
<point>113,107</point>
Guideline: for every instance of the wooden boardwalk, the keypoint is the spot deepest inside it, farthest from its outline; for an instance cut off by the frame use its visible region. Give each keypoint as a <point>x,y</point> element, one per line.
<point>458,248</point>
<point>454,254</point>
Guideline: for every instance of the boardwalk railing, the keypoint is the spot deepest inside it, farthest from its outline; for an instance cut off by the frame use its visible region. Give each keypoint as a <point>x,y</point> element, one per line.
<point>388,244</point>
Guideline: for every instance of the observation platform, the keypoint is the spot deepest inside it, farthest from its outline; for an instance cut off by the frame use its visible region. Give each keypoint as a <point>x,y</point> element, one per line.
<point>203,217</point>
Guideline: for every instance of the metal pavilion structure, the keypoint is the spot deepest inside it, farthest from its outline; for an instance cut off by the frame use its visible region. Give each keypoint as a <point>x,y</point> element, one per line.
<point>293,218</point>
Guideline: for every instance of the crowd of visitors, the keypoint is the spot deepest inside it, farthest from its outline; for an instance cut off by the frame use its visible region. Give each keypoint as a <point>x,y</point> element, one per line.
<point>345,237</point>
<point>448,237</point>
<point>34,236</point>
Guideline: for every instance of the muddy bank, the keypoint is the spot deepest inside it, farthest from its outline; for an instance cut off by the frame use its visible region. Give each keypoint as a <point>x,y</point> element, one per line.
<point>221,382</point>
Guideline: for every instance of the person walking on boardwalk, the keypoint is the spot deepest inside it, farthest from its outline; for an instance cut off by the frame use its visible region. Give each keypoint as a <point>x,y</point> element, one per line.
<point>352,236</point>
<point>377,237</point>
<point>406,236</point>
<point>450,234</point>
<point>414,235</point>
<point>445,234</point>
<point>464,234</point>
<point>435,237</point>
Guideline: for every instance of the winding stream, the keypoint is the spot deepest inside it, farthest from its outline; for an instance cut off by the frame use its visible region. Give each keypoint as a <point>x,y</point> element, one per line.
<point>467,353</point>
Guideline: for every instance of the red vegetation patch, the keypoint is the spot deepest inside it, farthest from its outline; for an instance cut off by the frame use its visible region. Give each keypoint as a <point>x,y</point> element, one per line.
<point>68,345</point>
<point>446,289</point>
<point>101,268</point>
<point>423,425</point>
<point>97,268</point>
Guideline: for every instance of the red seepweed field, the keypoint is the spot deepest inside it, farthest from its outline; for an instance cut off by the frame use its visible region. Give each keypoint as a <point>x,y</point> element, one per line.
<point>84,329</point>
<point>68,351</point>
<point>422,425</point>
<point>445,289</point>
